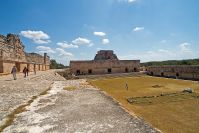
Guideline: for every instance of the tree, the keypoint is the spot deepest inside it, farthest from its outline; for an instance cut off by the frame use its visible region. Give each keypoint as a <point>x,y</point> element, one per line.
<point>55,65</point>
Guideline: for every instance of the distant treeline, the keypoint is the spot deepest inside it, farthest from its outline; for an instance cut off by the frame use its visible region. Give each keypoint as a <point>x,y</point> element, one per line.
<point>55,65</point>
<point>172,62</point>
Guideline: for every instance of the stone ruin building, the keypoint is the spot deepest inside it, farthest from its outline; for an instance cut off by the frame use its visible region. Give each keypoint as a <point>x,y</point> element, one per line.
<point>105,62</point>
<point>182,72</point>
<point>12,53</point>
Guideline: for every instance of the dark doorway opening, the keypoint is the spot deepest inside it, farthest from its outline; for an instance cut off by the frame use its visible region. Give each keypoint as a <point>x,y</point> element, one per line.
<point>78,72</point>
<point>17,64</point>
<point>151,73</point>
<point>177,75</point>
<point>89,71</point>
<point>109,70</point>
<point>126,70</point>
<point>162,74</point>
<point>135,69</point>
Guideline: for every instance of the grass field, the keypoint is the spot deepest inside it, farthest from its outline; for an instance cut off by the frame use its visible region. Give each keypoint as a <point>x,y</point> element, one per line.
<point>171,114</point>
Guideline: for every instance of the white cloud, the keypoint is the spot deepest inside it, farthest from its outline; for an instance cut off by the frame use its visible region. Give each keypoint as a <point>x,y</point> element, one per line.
<point>184,47</point>
<point>128,1</point>
<point>66,45</point>
<point>138,29</point>
<point>105,41</point>
<point>44,49</point>
<point>38,37</point>
<point>99,33</point>
<point>79,41</point>
<point>98,48</point>
<point>164,54</point>
<point>62,52</point>
<point>131,1</point>
<point>163,50</point>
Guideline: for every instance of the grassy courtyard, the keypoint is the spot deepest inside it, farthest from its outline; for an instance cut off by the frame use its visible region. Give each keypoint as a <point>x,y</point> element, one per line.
<point>159,101</point>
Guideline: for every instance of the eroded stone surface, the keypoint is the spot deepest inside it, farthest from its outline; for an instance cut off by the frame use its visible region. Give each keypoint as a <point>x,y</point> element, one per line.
<point>85,109</point>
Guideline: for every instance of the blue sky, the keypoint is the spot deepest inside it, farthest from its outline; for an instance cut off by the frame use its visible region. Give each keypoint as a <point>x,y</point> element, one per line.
<point>149,30</point>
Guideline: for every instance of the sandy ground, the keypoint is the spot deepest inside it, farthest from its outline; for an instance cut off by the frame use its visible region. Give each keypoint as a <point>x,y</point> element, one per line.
<point>85,109</point>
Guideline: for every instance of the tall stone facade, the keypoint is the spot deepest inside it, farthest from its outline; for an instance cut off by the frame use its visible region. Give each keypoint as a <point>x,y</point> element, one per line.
<point>105,62</point>
<point>181,71</point>
<point>12,53</point>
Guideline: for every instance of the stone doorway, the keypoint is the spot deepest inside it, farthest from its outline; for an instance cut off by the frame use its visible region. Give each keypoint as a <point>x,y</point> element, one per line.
<point>109,70</point>
<point>17,64</point>
<point>89,71</point>
<point>126,70</point>
<point>78,72</point>
<point>162,74</point>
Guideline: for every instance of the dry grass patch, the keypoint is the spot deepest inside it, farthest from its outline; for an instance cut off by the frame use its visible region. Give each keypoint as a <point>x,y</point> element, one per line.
<point>69,88</point>
<point>175,113</point>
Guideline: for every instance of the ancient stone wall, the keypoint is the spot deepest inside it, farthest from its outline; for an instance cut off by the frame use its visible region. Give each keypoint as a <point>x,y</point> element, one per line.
<point>12,53</point>
<point>105,55</point>
<point>102,64</point>
<point>184,72</point>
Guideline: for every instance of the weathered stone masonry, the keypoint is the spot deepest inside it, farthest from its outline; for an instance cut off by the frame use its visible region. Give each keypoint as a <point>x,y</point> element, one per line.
<point>104,62</point>
<point>12,53</point>
<point>183,72</point>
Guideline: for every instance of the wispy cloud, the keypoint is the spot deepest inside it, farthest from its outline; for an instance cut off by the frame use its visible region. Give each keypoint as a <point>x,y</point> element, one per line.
<point>99,33</point>
<point>44,49</point>
<point>38,37</point>
<point>184,47</point>
<point>127,1</point>
<point>66,45</point>
<point>136,29</point>
<point>164,54</point>
<point>82,41</point>
<point>105,41</point>
<point>63,53</point>
<point>131,1</point>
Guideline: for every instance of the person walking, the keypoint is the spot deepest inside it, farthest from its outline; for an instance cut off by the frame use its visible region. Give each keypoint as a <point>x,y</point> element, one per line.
<point>25,71</point>
<point>126,86</point>
<point>14,72</point>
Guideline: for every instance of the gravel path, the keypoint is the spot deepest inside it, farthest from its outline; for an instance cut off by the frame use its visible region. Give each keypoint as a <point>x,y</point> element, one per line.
<point>84,109</point>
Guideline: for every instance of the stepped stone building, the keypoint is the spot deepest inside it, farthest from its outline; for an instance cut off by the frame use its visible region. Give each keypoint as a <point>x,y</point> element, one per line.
<point>105,62</point>
<point>183,72</point>
<point>12,53</point>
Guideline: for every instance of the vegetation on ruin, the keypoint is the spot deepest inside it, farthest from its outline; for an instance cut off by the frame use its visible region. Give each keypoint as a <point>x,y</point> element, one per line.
<point>159,101</point>
<point>172,62</point>
<point>55,65</point>
<point>22,108</point>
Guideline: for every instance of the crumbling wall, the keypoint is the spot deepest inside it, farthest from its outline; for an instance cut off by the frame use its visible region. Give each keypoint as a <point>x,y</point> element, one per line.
<point>12,53</point>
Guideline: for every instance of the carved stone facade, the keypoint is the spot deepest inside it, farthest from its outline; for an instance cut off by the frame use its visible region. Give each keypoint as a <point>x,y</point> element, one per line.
<point>183,72</point>
<point>105,62</point>
<point>12,53</point>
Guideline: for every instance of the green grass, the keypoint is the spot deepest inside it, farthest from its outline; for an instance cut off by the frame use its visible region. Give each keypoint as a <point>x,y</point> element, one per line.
<point>176,113</point>
<point>69,88</point>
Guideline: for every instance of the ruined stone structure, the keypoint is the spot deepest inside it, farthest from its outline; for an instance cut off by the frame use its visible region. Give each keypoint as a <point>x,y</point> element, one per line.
<point>183,72</point>
<point>12,53</point>
<point>105,62</point>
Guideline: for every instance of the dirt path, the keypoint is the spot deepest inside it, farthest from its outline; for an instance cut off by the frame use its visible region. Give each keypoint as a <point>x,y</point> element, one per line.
<point>85,109</point>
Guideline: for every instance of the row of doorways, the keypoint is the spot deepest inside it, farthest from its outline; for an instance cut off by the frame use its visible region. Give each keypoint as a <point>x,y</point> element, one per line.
<point>109,70</point>
<point>17,64</point>
<point>162,74</point>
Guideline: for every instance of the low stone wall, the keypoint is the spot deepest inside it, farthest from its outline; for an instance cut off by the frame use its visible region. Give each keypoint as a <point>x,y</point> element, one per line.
<point>183,72</point>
